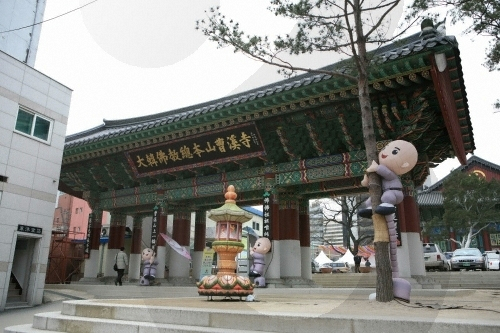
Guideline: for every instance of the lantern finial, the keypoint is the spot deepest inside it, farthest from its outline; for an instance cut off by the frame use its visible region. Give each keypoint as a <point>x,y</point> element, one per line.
<point>230,194</point>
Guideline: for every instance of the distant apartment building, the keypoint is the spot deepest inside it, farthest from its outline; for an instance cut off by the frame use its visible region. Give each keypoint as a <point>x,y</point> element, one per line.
<point>316,224</point>
<point>34,111</point>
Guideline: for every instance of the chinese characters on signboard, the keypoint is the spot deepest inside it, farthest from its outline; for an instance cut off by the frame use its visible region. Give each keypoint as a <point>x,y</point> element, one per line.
<point>206,263</point>
<point>238,142</point>
<point>154,229</point>
<point>29,229</point>
<point>266,216</point>
<point>86,250</point>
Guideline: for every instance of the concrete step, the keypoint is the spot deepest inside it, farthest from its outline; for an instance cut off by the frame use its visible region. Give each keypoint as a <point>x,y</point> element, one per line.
<point>26,328</point>
<point>13,292</point>
<point>58,322</point>
<point>113,316</point>
<point>348,280</point>
<point>447,280</point>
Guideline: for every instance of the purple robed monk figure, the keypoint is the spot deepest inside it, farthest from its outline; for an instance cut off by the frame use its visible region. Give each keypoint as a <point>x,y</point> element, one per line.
<point>258,253</point>
<point>149,267</point>
<point>397,158</point>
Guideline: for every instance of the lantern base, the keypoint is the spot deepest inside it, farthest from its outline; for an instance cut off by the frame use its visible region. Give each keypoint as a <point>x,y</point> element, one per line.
<point>225,285</point>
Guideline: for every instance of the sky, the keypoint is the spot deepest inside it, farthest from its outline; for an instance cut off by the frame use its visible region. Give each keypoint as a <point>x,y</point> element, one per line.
<point>129,58</point>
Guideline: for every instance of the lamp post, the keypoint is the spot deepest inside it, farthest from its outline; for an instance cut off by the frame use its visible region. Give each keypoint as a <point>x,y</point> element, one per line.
<point>229,219</point>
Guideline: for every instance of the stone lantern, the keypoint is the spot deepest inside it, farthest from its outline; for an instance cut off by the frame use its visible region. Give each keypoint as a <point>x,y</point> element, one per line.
<point>230,219</point>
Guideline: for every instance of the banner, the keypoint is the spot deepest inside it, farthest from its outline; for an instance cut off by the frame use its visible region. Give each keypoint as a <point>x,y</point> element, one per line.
<point>86,250</point>
<point>207,263</point>
<point>266,216</point>
<point>177,248</point>
<point>154,230</point>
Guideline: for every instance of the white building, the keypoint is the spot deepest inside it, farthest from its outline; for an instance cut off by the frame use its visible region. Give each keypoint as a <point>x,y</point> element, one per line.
<point>21,44</point>
<point>33,116</point>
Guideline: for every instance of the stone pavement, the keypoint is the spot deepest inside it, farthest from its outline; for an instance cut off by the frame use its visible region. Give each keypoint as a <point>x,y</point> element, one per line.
<point>292,309</point>
<point>428,303</point>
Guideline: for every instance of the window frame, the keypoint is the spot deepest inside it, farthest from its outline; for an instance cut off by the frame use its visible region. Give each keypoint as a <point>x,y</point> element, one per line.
<point>33,125</point>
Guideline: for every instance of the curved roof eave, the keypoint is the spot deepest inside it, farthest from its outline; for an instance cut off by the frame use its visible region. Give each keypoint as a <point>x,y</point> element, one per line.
<point>113,128</point>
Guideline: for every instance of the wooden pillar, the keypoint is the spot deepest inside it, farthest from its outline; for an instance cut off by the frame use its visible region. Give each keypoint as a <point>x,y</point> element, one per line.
<point>179,266</point>
<point>305,239</point>
<point>135,249</point>
<point>137,235</point>
<point>486,240</point>
<point>161,244</point>
<point>453,235</point>
<point>289,235</point>
<point>95,232</point>
<point>199,241</point>
<point>182,228</point>
<point>410,251</point>
<point>117,231</point>
<point>92,262</point>
<point>200,230</point>
<point>115,241</point>
<point>273,270</point>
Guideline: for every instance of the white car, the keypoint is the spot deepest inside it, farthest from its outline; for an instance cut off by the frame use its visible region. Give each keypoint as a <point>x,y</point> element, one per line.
<point>434,258</point>
<point>340,267</point>
<point>467,258</point>
<point>492,260</point>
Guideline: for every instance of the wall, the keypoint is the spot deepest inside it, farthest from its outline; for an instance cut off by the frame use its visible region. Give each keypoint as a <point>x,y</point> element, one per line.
<point>29,168</point>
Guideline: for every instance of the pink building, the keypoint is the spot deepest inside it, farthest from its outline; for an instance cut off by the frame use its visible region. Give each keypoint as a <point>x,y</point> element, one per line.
<point>69,233</point>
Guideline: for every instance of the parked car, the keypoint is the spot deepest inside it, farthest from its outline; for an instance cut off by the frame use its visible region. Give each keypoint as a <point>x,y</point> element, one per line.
<point>315,267</point>
<point>340,267</point>
<point>492,260</point>
<point>468,258</point>
<point>434,257</point>
<point>448,256</point>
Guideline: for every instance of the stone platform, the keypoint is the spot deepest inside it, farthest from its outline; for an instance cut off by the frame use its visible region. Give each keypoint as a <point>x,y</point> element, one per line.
<point>180,309</point>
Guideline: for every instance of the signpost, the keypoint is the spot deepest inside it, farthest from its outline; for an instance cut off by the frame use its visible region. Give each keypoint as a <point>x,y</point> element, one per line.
<point>206,263</point>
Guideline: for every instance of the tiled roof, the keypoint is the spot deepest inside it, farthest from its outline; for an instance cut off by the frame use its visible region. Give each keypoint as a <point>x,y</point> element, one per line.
<point>430,198</point>
<point>114,128</point>
<point>473,160</point>
<point>252,210</point>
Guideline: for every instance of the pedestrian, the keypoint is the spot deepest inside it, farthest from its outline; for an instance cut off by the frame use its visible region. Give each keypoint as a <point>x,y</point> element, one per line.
<point>121,262</point>
<point>367,262</point>
<point>357,263</point>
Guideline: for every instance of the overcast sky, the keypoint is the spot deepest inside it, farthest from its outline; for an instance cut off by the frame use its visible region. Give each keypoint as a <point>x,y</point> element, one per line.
<point>128,58</point>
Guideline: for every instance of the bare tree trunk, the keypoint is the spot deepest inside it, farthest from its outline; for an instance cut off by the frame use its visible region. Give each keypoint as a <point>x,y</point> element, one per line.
<point>384,288</point>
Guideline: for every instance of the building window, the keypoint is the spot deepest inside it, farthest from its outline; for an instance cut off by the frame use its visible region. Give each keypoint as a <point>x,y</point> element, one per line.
<point>255,226</point>
<point>33,125</point>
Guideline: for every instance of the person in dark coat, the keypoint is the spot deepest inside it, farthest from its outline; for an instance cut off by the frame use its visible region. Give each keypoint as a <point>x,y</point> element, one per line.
<point>357,263</point>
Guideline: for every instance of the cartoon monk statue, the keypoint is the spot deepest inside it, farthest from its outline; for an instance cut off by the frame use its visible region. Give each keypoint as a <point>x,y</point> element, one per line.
<point>258,252</point>
<point>149,267</point>
<point>397,158</point>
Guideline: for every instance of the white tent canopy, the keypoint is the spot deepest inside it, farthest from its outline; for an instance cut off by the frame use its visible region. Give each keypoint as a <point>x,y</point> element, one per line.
<point>322,259</point>
<point>347,257</point>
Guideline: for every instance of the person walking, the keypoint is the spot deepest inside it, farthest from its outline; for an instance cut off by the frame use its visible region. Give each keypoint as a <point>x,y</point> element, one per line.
<point>121,262</point>
<point>357,263</point>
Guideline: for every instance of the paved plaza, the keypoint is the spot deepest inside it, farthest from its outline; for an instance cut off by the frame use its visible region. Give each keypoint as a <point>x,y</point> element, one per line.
<point>429,310</point>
